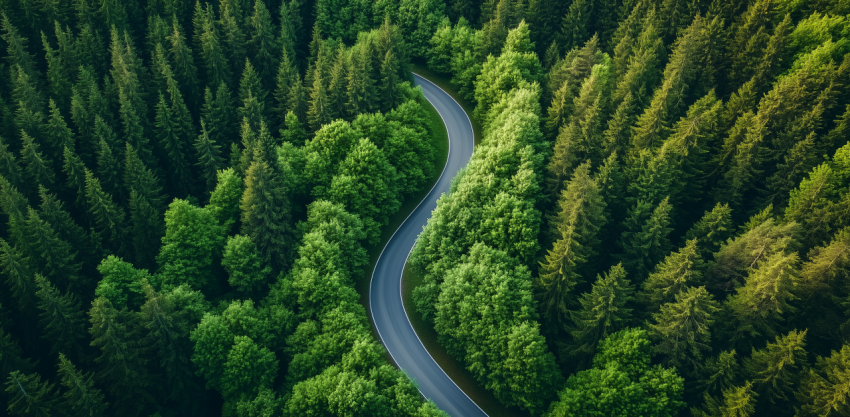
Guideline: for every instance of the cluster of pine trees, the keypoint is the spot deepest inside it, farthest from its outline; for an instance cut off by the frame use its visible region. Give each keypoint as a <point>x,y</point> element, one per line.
<point>659,206</point>
<point>187,189</point>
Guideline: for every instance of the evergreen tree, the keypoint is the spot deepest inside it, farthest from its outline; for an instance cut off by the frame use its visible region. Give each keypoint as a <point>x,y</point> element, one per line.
<point>9,167</point>
<point>265,214</point>
<point>18,273</point>
<point>147,229</point>
<point>122,365</point>
<point>824,388</point>
<point>287,77</point>
<point>603,311</point>
<point>30,397</point>
<point>61,318</point>
<point>57,130</point>
<point>75,172</point>
<point>580,216</point>
<point>318,114</point>
<point>775,370</point>
<point>107,216</point>
<point>736,402</point>
<point>37,167</point>
<point>216,67</point>
<point>712,229</point>
<point>361,94</point>
<point>82,398</point>
<point>672,276</point>
<point>219,115</point>
<point>646,240</point>
<point>209,157</point>
<point>185,71</point>
<point>683,327</point>
<point>109,168</point>
<point>170,135</point>
<point>390,93</point>
<point>53,256</point>
<point>264,45</point>
<point>138,177</point>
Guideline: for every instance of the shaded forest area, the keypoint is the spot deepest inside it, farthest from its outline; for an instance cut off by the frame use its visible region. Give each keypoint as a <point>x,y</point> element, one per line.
<point>188,190</point>
<point>655,223</point>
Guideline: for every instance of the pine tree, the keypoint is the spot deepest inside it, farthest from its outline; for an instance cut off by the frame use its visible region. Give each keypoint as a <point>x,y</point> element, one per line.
<point>30,397</point>
<point>390,93</point>
<point>61,319</point>
<point>775,370</point>
<point>683,327</point>
<point>167,335</point>
<point>337,96</point>
<point>53,212</point>
<point>646,240</point>
<point>16,267</point>
<point>678,271</point>
<point>737,402</point>
<point>75,171</point>
<point>107,216</point>
<point>574,28</point>
<point>57,130</point>
<point>287,77</point>
<point>581,214</point>
<point>37,167</point>
<point>171,137</point>
<point>122,366</point>
<point>9,168</point>
<point>264,45</point>
<point>251,86</point>
<point>147,229</point>
<point>11,356</point>
<point>55,257</point>
<point>16,48</point>
<point>824,389</point>
<point>603,311</point>
<point>293,130</point>
<point>760,304</point>
<point>712,229</point>
<point>184,64</point>
<point>219,115</point>
<point>360,83</point>
<point>318,114</point>
<point>209,157</point>
<point>82,398</point>
<point>137,176</point>
<point>215,63</point>
<point>265,214</point>
<point>109,168</point>
<point>232,22</point>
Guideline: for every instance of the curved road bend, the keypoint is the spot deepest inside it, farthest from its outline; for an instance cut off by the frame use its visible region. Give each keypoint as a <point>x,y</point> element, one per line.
<point>388,312</point>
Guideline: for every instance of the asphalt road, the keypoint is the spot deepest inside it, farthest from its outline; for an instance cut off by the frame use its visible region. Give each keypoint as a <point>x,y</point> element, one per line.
<point>388,312</point>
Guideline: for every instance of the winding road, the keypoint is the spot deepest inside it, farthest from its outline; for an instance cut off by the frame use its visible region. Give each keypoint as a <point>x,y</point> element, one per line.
<point>388,312</point>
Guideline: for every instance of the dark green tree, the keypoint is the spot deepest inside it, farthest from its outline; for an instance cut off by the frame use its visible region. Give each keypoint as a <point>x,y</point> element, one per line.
<point>82,398</point>
<point>603,312</point>
<point>266,214</point>
<point>30,397</point>
<point>683,327</point>
<point>61,319</point>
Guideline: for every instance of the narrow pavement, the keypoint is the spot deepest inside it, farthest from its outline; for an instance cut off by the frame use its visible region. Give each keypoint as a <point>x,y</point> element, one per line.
<point>388,312</point>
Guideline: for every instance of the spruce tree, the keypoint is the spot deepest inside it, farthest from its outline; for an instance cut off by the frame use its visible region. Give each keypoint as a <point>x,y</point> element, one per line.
<point>287,77</point>
<point>265,214</point>
<point>109,169</point>
<point>216,67</point>
<point>776,369</point>
<point>185,71</point>
<point>75,172</point>
<point>139,177</point>
<point>646,239</point>
<point>360,83</point>
<point>9,167</point>
<point>679,270</point>
<point>318,114</point>
<point>171,138</point>
<point>30,397</point>
<point>57,130</point>
<point>683,327</point>
<point>37,167</point>
<point>712,229</point>
<point>147,228</point>
<point>107,216</point>
<point>264,45</point>
<point>61,319</point>
<point>122,365</point>
<point>54,257</point>
<point>82,398</point>
<point>209,157</point>
<point>18,270</point>
<point>390,93</point>
<point>580,216</point>
<point>603,311</point>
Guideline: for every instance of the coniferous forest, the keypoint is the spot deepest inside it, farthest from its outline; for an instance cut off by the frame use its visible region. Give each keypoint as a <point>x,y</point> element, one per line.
<point>655,222</point>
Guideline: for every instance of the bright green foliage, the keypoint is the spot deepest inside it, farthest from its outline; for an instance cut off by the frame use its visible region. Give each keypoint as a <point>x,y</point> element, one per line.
<point>759,305</point>
<point>682,327</point>
<point>603,311</point>
<point>776,369</point>
<point>621,382</point>
<point>824,389</point>
<point>679,270</point>
<point>61,318</point>
<point>192,245</point>
<point>580,217</point>
<point>243,264</point>
<point>248,368</point>
<point>82,398</point>
<point>465,311</point>
<point>122,284</point>
<point>365,185</point>
<point>736,402</point>
<point>224,200</point>
<point>29,396</point>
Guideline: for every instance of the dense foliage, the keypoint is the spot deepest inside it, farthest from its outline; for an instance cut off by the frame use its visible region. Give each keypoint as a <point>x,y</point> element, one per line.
<point>657,182</point>
<point>187,192</point>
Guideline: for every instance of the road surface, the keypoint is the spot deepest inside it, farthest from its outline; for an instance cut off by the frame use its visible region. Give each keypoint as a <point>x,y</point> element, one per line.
<point>388,312</point>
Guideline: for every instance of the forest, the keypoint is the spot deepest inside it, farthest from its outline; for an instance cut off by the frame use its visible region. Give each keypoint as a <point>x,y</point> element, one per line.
<point>655,221</point>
